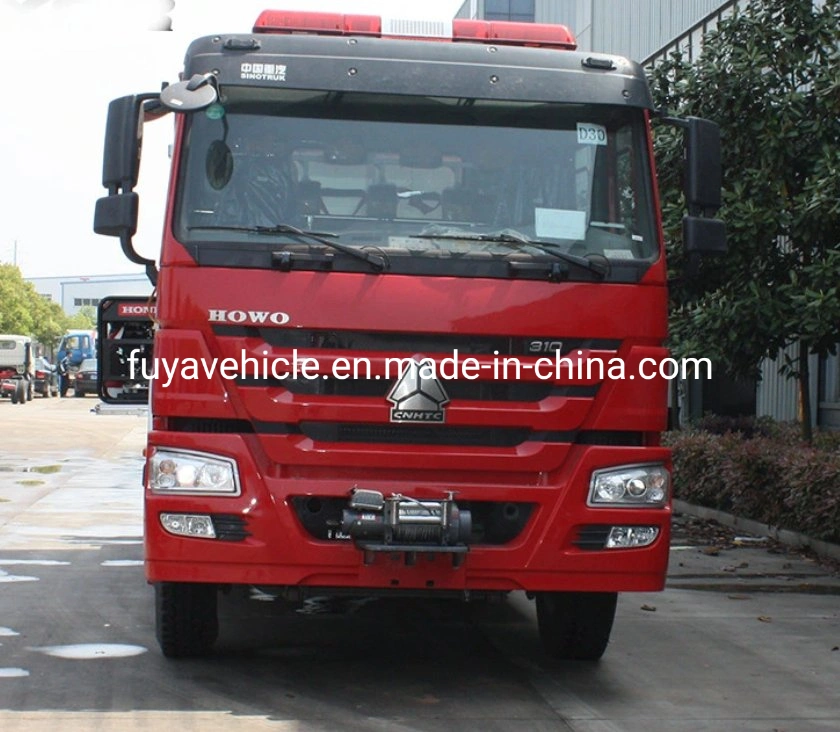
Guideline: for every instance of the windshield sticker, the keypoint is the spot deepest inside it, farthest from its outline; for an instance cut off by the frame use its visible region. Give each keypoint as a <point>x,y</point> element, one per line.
<point>558,223</point>
<point>262,72</point>
<point>591,134</point>
<point>618,254</point>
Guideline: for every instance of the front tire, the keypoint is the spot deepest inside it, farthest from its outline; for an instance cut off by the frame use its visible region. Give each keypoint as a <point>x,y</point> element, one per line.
<point>576,625</point>
<point>19,394</point>
<point>186,618</point>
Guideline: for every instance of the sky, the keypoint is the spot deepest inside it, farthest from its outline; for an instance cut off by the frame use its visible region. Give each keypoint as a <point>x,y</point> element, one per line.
<point>63,61</point>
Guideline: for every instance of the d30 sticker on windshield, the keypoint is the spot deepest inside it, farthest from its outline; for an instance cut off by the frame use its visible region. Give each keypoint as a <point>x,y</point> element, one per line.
<point>591,134</point>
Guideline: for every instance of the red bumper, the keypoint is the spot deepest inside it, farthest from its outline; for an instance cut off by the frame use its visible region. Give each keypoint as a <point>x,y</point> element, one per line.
<point>279,551</point>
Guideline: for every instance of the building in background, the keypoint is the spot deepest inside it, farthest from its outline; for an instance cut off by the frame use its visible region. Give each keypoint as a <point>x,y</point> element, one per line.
<point>637,29</point>
<point>74,293</point>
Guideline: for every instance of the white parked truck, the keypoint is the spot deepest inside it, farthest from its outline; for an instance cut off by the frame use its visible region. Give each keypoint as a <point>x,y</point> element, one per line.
<point>17,372</point>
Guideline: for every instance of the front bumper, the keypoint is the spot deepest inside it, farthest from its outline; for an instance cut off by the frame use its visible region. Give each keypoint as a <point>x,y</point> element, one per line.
<point>273,547</point>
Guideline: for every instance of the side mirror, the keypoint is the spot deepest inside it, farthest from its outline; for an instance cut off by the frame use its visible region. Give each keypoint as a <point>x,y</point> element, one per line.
<point>704,236</point>
<point>196,93</point>
<point>116,215</point>
<point>702,166</point>
<point>702,233</point>
<point>123,137</point>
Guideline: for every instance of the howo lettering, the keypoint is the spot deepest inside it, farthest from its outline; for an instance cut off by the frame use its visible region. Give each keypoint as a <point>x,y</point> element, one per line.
<point>252,316</point>
<point>355,187</point>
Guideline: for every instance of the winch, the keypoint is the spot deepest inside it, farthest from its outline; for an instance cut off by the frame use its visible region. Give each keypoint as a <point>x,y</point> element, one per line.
<point>400,523</point>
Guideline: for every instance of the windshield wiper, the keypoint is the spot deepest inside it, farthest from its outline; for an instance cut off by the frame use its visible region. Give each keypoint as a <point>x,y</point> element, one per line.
<point>378,262</point>
<point>516,240</point>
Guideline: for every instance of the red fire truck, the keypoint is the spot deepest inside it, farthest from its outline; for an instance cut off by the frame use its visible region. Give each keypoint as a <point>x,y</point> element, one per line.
<point>395,254</point>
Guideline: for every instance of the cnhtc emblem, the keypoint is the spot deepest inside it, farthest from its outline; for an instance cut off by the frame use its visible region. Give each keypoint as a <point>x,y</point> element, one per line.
<point>418,395</point>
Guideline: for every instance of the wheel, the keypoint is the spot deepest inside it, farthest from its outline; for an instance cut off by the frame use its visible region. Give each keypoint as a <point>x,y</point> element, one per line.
<point>78,393</point>
<point>186,618</point>
<point>19,395</point>
<point>576,625</point>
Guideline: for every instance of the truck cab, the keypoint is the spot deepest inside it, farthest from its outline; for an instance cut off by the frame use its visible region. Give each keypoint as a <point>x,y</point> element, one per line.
<point>408,280</point>
<point>75,346</point>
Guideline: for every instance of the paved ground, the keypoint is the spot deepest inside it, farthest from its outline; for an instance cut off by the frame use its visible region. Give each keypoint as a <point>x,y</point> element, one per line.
<point>746,636</point>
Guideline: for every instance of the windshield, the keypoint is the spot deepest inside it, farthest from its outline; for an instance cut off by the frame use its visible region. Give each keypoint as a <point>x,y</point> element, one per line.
<point>413,178</point>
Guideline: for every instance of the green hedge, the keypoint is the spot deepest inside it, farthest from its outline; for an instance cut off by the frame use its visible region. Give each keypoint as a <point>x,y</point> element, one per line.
<point>762,472</point>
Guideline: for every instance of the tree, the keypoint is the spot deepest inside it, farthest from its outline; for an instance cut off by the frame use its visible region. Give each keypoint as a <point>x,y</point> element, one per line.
<point>83,319</point>
<point>770,77</point>
<point>50,322</point>
<point>24,312</point>
<point>15,302</point>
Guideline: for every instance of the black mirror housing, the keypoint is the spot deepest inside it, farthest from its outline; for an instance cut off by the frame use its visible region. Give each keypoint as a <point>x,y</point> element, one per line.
<point>116,215</point>
<point>702,165</point>
<point>704,236</point>
<point>123,134</point>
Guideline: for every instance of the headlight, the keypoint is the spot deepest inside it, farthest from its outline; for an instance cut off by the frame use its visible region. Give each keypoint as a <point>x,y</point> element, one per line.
<point>172,471</point>
<point>632,485</point>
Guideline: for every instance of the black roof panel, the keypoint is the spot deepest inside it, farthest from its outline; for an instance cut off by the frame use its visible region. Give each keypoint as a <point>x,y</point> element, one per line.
<point>423,67</point>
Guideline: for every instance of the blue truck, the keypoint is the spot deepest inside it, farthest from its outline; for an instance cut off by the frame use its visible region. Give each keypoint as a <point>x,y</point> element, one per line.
<point>75,346</point>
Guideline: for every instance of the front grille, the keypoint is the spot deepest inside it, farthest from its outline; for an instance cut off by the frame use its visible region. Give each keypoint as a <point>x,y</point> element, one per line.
<point>411,434</point>
<point>498,391</point>
<point>209,426</point>
<point>407,434</point>
<point>411,343</point>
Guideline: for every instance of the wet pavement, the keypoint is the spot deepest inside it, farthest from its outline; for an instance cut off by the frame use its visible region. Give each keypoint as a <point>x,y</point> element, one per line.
<point>745,637</point>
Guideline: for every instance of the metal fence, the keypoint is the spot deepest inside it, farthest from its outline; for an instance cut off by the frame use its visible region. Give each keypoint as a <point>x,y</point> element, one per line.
<point>690,41</point>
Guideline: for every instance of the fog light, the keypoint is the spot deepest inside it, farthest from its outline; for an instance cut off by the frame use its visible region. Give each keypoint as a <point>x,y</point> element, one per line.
<point>628,536</point>
<point>186,524</point>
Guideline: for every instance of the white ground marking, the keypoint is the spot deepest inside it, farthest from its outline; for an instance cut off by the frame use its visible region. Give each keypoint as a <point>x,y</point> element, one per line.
<point>84,651</point>
<point>6,577</point>
<point>13,673</point>
<point>32,562</point>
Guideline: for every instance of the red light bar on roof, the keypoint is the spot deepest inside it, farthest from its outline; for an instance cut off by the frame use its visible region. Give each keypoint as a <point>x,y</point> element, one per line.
<point>517,34</point>
<point>543,35</point>
<point>295,21</point>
